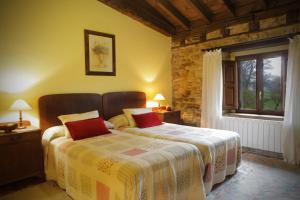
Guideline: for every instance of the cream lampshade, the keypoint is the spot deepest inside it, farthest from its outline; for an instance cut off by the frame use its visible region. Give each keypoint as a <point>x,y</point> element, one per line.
<point>20,105</point>
<point>159,97</point>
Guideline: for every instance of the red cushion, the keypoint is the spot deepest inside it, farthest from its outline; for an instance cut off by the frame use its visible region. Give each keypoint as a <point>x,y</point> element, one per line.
<point>146,120</point>
<point>87,128</point>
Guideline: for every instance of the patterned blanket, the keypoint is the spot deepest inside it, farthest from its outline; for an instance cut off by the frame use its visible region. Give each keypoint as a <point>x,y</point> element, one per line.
<point>220,149</point>
<point>124,166</point>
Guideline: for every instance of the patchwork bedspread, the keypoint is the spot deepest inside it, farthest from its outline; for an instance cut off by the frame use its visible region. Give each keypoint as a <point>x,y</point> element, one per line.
<point>124,166</point>
<point>220,149</point>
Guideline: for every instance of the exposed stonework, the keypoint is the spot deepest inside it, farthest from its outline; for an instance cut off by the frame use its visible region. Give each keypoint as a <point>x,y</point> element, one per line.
<point>239,28</point>
<point>248,25</point>
<point>272,22</point>
<point>214,34</point>
<point>187,73</point>
<point>187,69</point>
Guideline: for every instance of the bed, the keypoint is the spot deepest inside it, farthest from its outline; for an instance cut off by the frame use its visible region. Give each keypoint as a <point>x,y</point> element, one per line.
<point>117,165</point>
<point>220,149</point>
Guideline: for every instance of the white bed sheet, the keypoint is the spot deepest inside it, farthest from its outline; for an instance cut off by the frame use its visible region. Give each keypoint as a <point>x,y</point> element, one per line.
<point>50,165</point>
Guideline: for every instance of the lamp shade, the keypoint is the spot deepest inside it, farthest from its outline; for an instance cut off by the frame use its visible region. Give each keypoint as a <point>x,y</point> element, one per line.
<point>159,97</point>
<point>20,104</point>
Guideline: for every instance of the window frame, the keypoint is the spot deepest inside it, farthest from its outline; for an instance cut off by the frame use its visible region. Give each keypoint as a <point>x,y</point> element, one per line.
<point>259,81</point>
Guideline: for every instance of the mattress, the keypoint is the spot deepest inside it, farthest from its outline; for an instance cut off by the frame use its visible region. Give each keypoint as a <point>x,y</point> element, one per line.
<point>220,149</point>
<point>124,166</point>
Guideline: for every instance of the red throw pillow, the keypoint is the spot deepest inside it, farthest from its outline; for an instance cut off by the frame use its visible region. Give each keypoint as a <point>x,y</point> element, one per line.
<point>146,120</point>
<point>87,128</point>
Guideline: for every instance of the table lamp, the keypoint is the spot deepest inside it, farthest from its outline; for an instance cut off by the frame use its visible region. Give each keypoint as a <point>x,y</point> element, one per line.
<point>20,105</point>
<point>159,97</point>
<point>151,104</point>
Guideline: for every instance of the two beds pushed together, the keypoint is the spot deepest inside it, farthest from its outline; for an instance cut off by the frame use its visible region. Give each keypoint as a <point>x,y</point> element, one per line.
<point>220,150</point>
<point>124,166</point>
<point>168,162</point>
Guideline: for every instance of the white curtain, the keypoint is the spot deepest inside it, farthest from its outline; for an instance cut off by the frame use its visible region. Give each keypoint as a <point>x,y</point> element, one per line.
<point>291,123</point>
<point>211,108</point>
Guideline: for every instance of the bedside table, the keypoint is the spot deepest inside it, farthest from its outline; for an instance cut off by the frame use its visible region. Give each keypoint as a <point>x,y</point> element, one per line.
<point>169,116</point>
<point>21,155</point>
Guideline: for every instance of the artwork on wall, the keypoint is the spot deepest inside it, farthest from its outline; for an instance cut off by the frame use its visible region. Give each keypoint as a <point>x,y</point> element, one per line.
<point>99,53</point>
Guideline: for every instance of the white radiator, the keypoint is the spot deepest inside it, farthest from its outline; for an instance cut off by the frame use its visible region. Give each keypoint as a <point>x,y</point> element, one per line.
<point>256,133</point>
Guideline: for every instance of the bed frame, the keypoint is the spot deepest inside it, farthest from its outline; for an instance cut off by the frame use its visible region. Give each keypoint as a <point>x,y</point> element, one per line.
<point>108,105</point>
<point>115,102</point>
<point>51,106</point>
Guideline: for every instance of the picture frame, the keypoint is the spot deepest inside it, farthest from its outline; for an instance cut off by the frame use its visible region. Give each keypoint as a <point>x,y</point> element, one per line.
<point>100,58</point>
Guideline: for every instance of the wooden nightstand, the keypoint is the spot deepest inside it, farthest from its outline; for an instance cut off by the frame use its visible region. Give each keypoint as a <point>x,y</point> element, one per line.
<point>169,116</point>
<point>21,155</point>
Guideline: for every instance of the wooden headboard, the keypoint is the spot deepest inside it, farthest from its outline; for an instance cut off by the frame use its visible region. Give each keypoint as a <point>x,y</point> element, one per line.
<point>108,105</point>
<point>114,102</point>
<point>51,106</point>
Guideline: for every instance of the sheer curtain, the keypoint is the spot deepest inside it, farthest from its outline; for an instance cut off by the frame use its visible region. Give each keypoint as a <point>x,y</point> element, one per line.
<point>211,108</point>
<point>291,123</point>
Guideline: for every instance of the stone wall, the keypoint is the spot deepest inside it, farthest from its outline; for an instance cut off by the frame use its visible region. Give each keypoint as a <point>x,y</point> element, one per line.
<point>187,75</point>
<point>187,67</point>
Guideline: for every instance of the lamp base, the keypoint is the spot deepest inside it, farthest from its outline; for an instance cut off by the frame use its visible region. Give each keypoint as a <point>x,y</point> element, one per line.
<point>21,127</point>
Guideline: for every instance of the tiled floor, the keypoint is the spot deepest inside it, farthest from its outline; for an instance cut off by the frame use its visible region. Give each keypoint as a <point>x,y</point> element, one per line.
<point>260,178</point>
<point>257,178</point>
<point>43,191</point>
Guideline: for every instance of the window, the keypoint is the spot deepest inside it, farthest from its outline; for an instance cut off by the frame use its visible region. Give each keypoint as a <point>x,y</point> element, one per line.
<point>261,83</point>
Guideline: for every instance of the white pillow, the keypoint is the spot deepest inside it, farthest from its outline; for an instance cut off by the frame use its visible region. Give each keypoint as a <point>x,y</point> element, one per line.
<point>76,117</point>
<point>52,133</point>
<point>49,135</point>
<point>109,125</point>
<point>135,111</point>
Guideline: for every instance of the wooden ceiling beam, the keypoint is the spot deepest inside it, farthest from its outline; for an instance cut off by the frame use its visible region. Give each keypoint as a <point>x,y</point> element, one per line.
<point>230,7</point>
<point>203,9</point>
<point>199,29</point>
<point>279,10</point>
<point>266,4</point>
<point>174,12</point>
<point>144,13</point>
<point>164,17</point>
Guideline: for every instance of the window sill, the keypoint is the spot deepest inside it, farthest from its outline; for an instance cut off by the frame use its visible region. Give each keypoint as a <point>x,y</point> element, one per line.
<point>254,116</point>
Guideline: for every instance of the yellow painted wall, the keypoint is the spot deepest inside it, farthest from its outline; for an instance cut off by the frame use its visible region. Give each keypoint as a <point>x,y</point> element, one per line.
<point>42,52</point>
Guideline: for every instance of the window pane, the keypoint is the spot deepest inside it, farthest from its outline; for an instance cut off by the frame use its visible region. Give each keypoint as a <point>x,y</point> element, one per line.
<point>248,84</point>
<point>272,84</point>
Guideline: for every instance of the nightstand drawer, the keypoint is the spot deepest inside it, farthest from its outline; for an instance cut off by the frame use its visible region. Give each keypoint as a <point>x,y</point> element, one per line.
<point>170,117</point>
<point>19,137</point>
<point>21,155</point>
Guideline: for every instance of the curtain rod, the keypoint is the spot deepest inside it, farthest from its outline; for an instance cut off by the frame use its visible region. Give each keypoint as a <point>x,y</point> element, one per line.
<point>258,43</point>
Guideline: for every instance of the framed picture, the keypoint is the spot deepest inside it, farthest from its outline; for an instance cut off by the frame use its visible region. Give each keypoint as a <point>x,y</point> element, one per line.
<point>99,53</point>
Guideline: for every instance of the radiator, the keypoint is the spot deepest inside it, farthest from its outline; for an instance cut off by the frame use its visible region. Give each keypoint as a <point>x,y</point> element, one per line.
<point>255,133</point>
